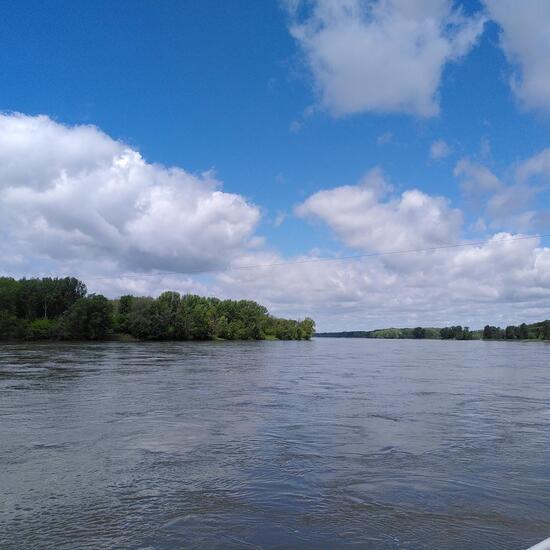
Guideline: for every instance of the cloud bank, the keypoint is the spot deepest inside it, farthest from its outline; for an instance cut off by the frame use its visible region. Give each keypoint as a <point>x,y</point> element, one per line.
<point>73,194</point>
<point>75,201</point>
<point>506,278</point>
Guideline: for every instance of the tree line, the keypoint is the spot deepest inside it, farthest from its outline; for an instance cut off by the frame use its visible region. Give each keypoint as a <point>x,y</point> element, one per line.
<point>417,333</point>
<point>61,309</point>
<point>534,331</point>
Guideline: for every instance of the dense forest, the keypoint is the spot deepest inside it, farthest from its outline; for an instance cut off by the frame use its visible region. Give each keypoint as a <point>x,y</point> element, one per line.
<point>534,331</point>
<point>61,309</point>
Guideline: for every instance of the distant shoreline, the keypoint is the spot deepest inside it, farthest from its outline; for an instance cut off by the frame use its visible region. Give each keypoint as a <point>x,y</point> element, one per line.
<point>327,336</point>
<point>539,331</point>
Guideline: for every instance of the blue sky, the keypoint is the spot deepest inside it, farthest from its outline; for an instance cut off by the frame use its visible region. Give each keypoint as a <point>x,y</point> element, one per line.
<point>280,101</point>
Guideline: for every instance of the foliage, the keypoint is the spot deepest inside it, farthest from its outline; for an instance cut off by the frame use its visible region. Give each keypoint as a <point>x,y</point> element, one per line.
<point>191,317</point>
<point>492,333</point>
<point>52,308</point>
<point>535,331</point>
<point>9,295</point>
<point>456,333</point>
<point>89,318</point>
<point>45,298</point>
<point>11,327</point>
<point>41,329</point>
<point>388,333</point>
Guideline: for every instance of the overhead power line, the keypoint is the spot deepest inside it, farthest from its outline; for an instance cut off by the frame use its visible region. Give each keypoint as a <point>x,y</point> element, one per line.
<point>334,259</point>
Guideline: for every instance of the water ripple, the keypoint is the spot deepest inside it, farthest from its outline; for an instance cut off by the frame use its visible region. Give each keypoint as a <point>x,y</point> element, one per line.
<point>323,444</point>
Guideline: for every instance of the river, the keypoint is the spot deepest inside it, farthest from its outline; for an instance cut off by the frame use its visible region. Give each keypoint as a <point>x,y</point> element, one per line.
<point>333,443</point>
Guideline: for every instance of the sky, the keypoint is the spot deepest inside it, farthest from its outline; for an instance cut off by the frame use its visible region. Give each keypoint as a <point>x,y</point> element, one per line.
<point>247,149</point>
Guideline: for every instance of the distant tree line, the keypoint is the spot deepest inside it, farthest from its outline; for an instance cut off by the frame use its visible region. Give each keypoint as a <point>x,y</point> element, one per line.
<point>417,333</point>
<point>61,308</point>
<point>458,333</point>
<point>534,331</point>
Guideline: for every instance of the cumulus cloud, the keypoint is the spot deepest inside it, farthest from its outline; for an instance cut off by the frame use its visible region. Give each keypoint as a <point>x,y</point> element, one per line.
<point>75,201</point>
<point>368,217</point>
<point>524,38</point>
<point>381,55</point>
<point>74,194</point>
<point>439,150</point>
<point>506,279</point>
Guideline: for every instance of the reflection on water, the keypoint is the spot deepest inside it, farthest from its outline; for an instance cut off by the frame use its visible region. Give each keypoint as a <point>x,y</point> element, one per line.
<point>322,444</point>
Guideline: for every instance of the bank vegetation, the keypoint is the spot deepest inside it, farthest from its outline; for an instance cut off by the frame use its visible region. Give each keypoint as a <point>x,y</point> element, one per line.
<point>62,309</point>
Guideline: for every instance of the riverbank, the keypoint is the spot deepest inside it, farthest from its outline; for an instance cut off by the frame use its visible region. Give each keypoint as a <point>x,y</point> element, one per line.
<point>524,332</point>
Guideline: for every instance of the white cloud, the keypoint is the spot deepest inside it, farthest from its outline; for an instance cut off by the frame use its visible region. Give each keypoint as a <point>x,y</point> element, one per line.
<point>503,281</point>
<point>381,55</point>
<point>75,201</point>
<point>367,217</point>
<point>524,38</point>
<point>439,150</point>
<point>74,194</point>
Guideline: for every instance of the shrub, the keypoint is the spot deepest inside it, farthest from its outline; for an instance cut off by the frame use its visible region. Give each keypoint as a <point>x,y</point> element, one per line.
<point>41,329</point>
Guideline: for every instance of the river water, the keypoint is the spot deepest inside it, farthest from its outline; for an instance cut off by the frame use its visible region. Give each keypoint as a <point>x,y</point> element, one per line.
<point>331,443</point>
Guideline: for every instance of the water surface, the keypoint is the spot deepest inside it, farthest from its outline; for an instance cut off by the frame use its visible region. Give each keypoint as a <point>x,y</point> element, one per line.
<point>325,444</point>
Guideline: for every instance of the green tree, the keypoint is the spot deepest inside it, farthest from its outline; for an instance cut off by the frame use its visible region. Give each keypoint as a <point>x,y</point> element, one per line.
<point>89,318</point>
<point>58,307</point>
<point>523,331</point>
<point>41,329</point>
<point>492,333</point>
<point>11,327</point>
<point>307,327</point>
<point>511,332</point>
<point>9,295</point>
